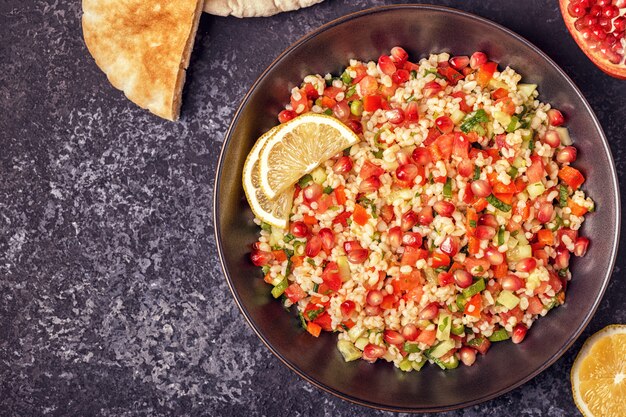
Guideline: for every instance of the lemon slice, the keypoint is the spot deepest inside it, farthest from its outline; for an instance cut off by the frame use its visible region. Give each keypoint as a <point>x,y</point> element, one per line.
<point>298,147</point>
<point>275,212</point>
<point>599,374</point>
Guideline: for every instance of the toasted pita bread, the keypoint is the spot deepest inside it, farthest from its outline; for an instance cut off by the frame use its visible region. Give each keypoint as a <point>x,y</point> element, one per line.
<point>143,46</point>
<point>254,8</point>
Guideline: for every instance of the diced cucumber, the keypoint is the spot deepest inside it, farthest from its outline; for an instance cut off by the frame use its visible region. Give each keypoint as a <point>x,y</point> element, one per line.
<point>361,342</point>
<point>319,175</point>
<point>534,279</point>
<point>474,289</point>
<point>344,268</point>
<point>519,252</point>
<point>519,162</point>
<point>461,301</point>
<point>566,140</point>
<point>411,347</point>
<point>431,275</point>
<point>527,135</point>
<point>513,125</point>
<point>418,365</point>
<point>535,189</point>
<point>440,349</point>
<point>305,180</point>
<point>439,364</point>
<point>279,278</point>
<point>451,363</point>
<point>404,194</point>
<point>458,330</point>
<point>355,332</point>
<point>348,350</point>
<point>489,132</point>
<point>443,326</point>
<point>526,89</point>
<point>499,335</point>
<point>521,238</point>
<point>405,365</point>
<point>502,118</point>
<point>495,84</point>
<point>457,116</point>
<point>279,289</point>
<point>511,243</point>
<point>508,299</point>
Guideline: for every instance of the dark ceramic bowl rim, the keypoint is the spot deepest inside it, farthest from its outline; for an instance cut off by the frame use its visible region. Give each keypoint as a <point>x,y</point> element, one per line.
<point>613,185</point>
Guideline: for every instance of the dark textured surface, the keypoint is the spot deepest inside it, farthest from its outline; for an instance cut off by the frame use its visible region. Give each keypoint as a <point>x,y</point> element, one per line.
<point>112,301</point>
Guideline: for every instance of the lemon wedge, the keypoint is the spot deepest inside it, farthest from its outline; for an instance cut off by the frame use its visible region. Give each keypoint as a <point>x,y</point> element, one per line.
<point>298,147</point>
<point>599,374</point>
<point>275,212</point>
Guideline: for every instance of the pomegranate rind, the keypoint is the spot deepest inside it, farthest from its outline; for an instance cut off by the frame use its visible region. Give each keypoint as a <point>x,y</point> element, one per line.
<point>614,70</point>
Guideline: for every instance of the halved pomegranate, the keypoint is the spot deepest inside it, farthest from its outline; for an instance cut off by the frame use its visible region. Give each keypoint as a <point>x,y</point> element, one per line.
<point>598,28</point>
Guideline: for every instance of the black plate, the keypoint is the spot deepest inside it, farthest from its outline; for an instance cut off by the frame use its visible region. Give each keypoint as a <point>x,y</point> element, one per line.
<point>419,29</point>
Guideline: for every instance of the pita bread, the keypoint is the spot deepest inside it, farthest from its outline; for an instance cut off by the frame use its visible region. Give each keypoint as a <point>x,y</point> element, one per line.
<point>143,46</point>
<point>254,8</point>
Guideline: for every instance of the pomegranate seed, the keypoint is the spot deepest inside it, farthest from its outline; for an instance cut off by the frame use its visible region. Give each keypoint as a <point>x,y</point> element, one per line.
<point>512,283</point>
<point>552,139</point>
<point>425,216</point>
<point>408,220</point>
<point>410,332</point>
<point>463,278</point>
<point>431,89</point>
<point>328,239</point>
<point>358,256</point>
<point>467,355</point>
<point>299,229</point>
<point>620,24</point>
<point>610,11</point>
<point>403,157</point>
<point>581,245</point>
<point>526,265</point>
<point>312,192</point>
<point>369,185</point>
<point>465,168</point>
<point>555,117</point>
<point>576,10</point>
<point>407,173</point>
<point>350,245</point>
<point>444,124</point>
<point>355,125</point>
<point>561,260</point>
<point>386,65</point>
<point>620,3</point>
<point>343,165</point>
<point>519,333</point>
<point>286,115</point>
<point>595,11</point>
<point>387,214</point>
<point>400,76</point>
<point>545,212</point>
<point>260,257</point>
<point>374,297</point>
<point>372,352</point>
<point>341,110</point>
<point>429,312</point>
<point>395,116</point>
<point>411,112</point>
<point>450,245</point>
<point>488,220</point>
<point>421,156</point>
<point>459,62</point>
<point>392,337</point>
<point>477,59</point>
<point>347,308</point>
<point>444,208</point>
<point>399,55</point>
<point>412,239</point>
<point>313,246</point>
<point>494,256</point>
<point>481,188</point>
<point>394,237</point>
<point>445,278</point>
<point>372,310</point>
<point>566,155</point>
<point>483,232</point>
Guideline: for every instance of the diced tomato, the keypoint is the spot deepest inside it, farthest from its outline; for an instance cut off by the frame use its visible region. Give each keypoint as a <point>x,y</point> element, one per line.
<point>313,328</point>
<point>515,312</point>
<point>360,215</point>
<point>463,104</point>
<point>450,74</point>
<point>534,305</point>
<point>520,185</point>
<point>554,282</point>
<point>368,85</point>
<point>406,282</point>
<point>500,271</point>
<point>324,202</point>
<point>310,220</point>
<point>297,260</point>
<point>411,255</point>
<point>279,255</point>
<point>541,255</point>
<point>477,266</point>
<point>331,276</point>
<point>501,188</point>
<point>485,73</point>
<point>324,321</point>
<point>522,210</point>
<point>545,237</point>
<point>332,92</point>
<point>572,234</point>
<point>474,306</point>
<point>328,102</point>
<point>370,169</point>
<point>445,144</point>
<point>505,198</point>
<point>472,220</point>
<point>508,106</point>
<point>535,171</point>
<point>388,91</point>
<point>342,218</point>
<point>372,103</point>
<point>439,259</point>
<point>461,146</point>
<point>295,293</point>
<point>473,245</point>
<point>311,92</point>
<point>268,278</point>
<point>571,176</point>
<point>500,93</point>
<point>389,301</point>
<point>415,294</point>
<point>455,265</point>
<point>480,204</point>
<point>576,209</point>
<point>427,337</point>
<point>340,195</point>
<point>494,286</point>
<point>361,72</point>
<point>483,346</point>
<point>433,134</point>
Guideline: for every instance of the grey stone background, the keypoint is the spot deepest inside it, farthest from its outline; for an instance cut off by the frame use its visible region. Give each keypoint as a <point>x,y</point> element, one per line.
<point>112,301</point>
